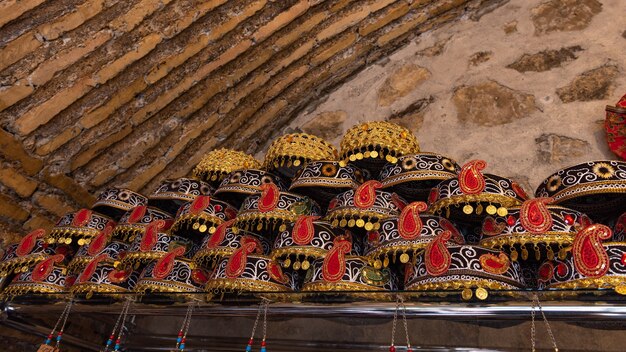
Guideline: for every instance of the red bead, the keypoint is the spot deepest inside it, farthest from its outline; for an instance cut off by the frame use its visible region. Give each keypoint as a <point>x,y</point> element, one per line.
<point>183,340</point>
<point>250,341</point>
<point>392,349</point>
<point>561,269</point>
<point>180,333</point>
<point>60,333</point>
<point>263,343</point>
<point>118,341</point>
<point>218,207</point>
<point>510,220</point>
<point>569,219</point>
<point>112,336</point>
<point>50,336</point>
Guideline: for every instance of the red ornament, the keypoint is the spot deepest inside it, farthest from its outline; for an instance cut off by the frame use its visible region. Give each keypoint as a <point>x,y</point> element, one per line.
<point>165,264</point>
<point>151,235</point>
<point>569,219</point>
<point>493,264</point>
<point>409,222</point>
<point>237,262</point>
<point>456,236</point>
<point>437,256</point>
<point>199,276</point>
<point>546,272</point>
<point>90,269</point>
<point>561,269</point>
<point>365,195</point>
<point>137,214</point>
<point>303,230</point>
<point>491,227</point>
<point>519,190</point>
<point>615,127</point>
<point>100,241</point>
<point>276,273</point>
<point>81,218</point>
<point>590,257</point>
<point>433,195</point>
<point>28,242</point>
<point>118,276</point>
<point>535,216</point>
<point>334,266</point>
<point>220,233</point>
<point>43,269</point>
<point>471,180</point>
<point>269,197</point>
<point>199,204</point>
<point>510,220</point>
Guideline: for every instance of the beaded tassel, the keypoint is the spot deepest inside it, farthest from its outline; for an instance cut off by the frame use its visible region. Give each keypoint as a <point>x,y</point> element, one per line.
<point>62,320</point>
<point>121,320</point>
<point>392,347</point>
<point>182,334</point>
<point>262,307</point>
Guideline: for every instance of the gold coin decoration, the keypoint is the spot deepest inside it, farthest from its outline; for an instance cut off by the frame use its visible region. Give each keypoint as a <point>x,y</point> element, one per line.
<point>467,294</point>
<point>378,264</point>
<point>212,229</point>
<point>550,254</point>
<point>386,262</point>
<point>524,253</point>
<point>514,255</point>
<point>195,226</point>
<point>491,209</point>
<point>282,228</point>
<point>351,223</point>
<point>374,154</point>
<point>296,266</point>
<point>502,211</point>
<point>479,209</point>
<point>343,223</point>
<point>621,290</point>
<point>369,226</point>
<point>468,209</point>
<point>296,162</point>
<point>305,265</point>
<point>482,293</point>
<point>360,223</point>
<point>404,258</point>
<point>202,228</point>
<point>287,263</point>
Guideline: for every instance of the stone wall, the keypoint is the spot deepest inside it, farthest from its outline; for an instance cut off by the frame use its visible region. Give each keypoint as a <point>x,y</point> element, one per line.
<point>97,93</point>
<point>524,87</point>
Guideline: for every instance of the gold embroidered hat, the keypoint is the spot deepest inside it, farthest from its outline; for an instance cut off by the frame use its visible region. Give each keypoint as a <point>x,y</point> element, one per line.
<point>171,194</point>
<point>79,227</point>
<point>240,184</point>
<point>307,239</point>
<point>323,180</point>
<point>341,272</point>
<point>400,238</point>
<point>31,249</point>
<point>202,216</point>
<point>288,153</point>
<point>114,202</point>
<point>372,144</point>
<point>249,271</point>
<point>267,212</point>
<point>596,188</point>
<point>135,221</point>
<point>217,164</point>
<point>364,208</point>
<point>472,195</point>
<point>414,175</point>
<point>589,264</point>
<point>102,243</point>
<point>223,243</point>
<point>535,225</point>
<point>443,266</point>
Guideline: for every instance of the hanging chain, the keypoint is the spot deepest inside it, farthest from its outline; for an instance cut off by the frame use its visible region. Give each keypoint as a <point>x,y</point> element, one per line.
<point>182,335</point>
<point>120,320</point>
<point>263,343</point>
<point>406,325</point>
<point>256,322</point>
<point>392,348</point>
<point>548,328</point>
<point>61,321</point>
<point>532,326</point>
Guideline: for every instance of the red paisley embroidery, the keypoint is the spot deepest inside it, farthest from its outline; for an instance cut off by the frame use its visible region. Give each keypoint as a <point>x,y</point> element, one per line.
<point>398,201</point>
<point>119,276</point>
<point>519,190</point>
<point>151,235</point>
<point>258,247</point>
<point>269,197</point>
<point>220,233</point>
<point>437,256</point>
<point>100,241</point>
<point>137,214</point>
<point>334,266</point>
<point>409,223</point>
<point>28,242</point>
<point>433,195</point>
<point>199,204</point>
<point>303,230</point>
<point>81,218</point>
<point>237,262</point>
<point>199,276</point>
<point>456,236</point>
<point>491,227</point>
<point>590,257</point>
<point>409,270</point>
<point>276,273</point>
<point>546,272</point>
<point>165,264</point>
<point>471,180</point>
<point>44,268</point>
<point>90,269</point>
<point>535,216</point>
<point>493,264</point>
<point>365,195</point>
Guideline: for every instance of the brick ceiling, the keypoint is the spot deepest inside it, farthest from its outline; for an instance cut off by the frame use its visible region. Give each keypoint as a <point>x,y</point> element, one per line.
<point>96,93</point>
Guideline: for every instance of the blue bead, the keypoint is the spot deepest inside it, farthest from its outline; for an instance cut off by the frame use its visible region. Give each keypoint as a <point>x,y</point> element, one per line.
<point>109,342</point>
<point>182,346</point>
<point>58,338</point>
<point>262,349</point>
<point>48,341</point>
<point>248,348</point>
<point>178,340</point>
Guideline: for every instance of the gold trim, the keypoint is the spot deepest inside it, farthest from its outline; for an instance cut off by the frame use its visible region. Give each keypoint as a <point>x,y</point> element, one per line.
<point>456,285</point>
<point>550,238</point>
<point>313,252</point>
<point>28,260</point>
<point>213,219</point>
<point>209,254</point>
<point>571,287</point>
<point>393,180</point>
<point>23,288</point>
<point>590,192</point>
<point>86,287</point>
<point>325,182</point>
<point>159,286</point>
<point>385,251</point>
<point>245,285</point>
<point>503,201</point>
<point>370,292</point>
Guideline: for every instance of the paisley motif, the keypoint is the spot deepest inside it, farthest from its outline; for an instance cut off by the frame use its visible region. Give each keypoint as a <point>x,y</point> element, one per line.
<point>90,269</point>
<point>398,201</point>
<point>546,272</point>
<point>519,190</point>
<point>237,262</point>
<point>118,276</point>
<point>535,216</point>
<point>165,264</point>
<point>199,204</point>
<point>150,235</point>
<point>437,256</point>
<point>100,241</point>
<point>276,273</point>
<point>199,276</point>
<point>457,237</point>
<point>433,195</point>
<point>590,257</point>
<point>334,266</point>
<point>269,197</point>
<point>365,195</point>
<point>44,268</point>
<point>219,235</point>
<point>409,223</point>
<point>137,213</point>
<point>303,230</point>
<point>471,180</point>
<point>81,218</point>
<point>493,264</point>
<point>491,227</point>
<point>28,242</point>
<point>258,249</point>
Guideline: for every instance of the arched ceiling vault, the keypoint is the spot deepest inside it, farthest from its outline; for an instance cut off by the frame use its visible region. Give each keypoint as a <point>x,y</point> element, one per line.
<point>96,93</point>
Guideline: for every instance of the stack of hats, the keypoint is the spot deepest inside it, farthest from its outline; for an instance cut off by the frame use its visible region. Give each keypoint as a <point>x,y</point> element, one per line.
<point>375,217</point>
